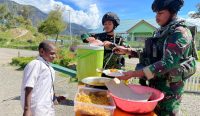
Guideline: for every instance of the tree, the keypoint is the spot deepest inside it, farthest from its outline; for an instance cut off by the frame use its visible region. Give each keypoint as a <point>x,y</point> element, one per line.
<point>6,17</point>
<point>53,25</point>
<point>21,21</point>
<point>10,20</point>
<point>197,14</point>
<point>23,16</point>
<point>24,12</point>
<point>3,12</point>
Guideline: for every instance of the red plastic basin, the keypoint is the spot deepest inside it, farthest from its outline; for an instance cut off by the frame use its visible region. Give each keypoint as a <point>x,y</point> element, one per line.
<point>139,106</point>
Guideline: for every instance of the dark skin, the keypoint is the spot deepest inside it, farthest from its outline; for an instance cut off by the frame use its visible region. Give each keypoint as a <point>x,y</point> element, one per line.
<point>48,56</point>
<point>27,105</point>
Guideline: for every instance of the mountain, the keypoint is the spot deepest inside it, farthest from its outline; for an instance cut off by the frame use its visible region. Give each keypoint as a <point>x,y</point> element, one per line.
<point>75,29</point>
<point>38,16</point>
<point>35,14</point>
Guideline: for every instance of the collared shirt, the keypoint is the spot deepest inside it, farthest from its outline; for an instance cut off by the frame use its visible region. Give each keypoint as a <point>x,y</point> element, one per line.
<point>39,75</point>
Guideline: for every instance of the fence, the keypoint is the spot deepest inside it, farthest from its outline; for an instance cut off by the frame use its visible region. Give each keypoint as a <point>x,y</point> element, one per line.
<point>193,84</point>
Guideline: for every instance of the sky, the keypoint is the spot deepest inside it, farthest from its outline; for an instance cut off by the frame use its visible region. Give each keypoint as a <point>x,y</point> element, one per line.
<point>88,13</point>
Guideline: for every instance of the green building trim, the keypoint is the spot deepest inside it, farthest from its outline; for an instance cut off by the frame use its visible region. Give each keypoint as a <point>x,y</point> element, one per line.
<point>140,31</point>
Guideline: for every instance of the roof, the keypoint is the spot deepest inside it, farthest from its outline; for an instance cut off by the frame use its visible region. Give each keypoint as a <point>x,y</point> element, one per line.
<point>126,25</point>
<point>142,21</point>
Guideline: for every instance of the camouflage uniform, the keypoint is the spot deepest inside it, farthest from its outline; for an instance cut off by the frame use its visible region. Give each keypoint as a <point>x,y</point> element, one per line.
<point>164,65</point>
<point>116,61</point>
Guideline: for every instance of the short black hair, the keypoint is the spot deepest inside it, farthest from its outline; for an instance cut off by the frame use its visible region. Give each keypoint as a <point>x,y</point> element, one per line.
<point>45,45</point>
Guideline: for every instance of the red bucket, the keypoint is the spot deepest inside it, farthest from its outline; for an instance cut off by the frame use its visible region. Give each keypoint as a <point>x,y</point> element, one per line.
<point>139,106</point>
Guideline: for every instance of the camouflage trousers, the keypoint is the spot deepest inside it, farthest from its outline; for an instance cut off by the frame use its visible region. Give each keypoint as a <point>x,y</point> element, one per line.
<point>169,106</point>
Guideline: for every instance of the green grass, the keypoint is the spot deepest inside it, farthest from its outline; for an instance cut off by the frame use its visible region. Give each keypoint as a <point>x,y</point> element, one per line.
<point>5,35</point>
<point>29,41</point>
<point>17,44</point>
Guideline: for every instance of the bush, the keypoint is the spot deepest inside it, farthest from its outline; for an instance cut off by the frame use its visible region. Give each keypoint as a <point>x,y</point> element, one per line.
<point>31,28</point>
<point>64,58</point>
<point>30,41</point>
<point>21,61</point>
<point>2,42</point>
<point>65,61</point>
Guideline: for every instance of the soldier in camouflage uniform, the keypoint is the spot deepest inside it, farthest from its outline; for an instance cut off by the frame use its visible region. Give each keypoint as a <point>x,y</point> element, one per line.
<point>110,21</point>
<point>167,58</point>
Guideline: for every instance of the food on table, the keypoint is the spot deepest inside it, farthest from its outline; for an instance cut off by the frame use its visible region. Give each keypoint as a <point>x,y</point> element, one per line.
<point>95,98</point>
<point>113,70</point>
<point>98,98</point>
<point>92,111</point>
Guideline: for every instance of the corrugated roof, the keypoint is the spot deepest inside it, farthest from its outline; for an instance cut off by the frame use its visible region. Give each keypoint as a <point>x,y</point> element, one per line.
<point>122,28</point>
<point>142,21</point>
<point>125,25</point>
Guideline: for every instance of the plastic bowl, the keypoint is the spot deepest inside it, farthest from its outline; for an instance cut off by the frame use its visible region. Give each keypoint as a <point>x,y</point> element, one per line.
<point>139,106</point>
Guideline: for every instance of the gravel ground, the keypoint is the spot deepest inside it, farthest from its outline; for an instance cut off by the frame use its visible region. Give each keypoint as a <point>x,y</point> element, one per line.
<point>190,105</point>
<point>10,83</point>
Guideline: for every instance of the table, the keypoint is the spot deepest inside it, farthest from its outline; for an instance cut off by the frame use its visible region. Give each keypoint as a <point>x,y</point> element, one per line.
<point>119,112</point>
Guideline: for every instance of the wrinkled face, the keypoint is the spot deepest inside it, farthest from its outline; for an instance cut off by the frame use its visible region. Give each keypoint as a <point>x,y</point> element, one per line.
<point>108,26</point>
<point>50,54</point>
<point>162,17</point>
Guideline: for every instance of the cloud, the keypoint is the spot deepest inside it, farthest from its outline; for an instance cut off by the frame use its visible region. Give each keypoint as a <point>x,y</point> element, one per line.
<point>83,4</point>
<point>192,20</point>
<point>191,13</point>
<point>88,17</point>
